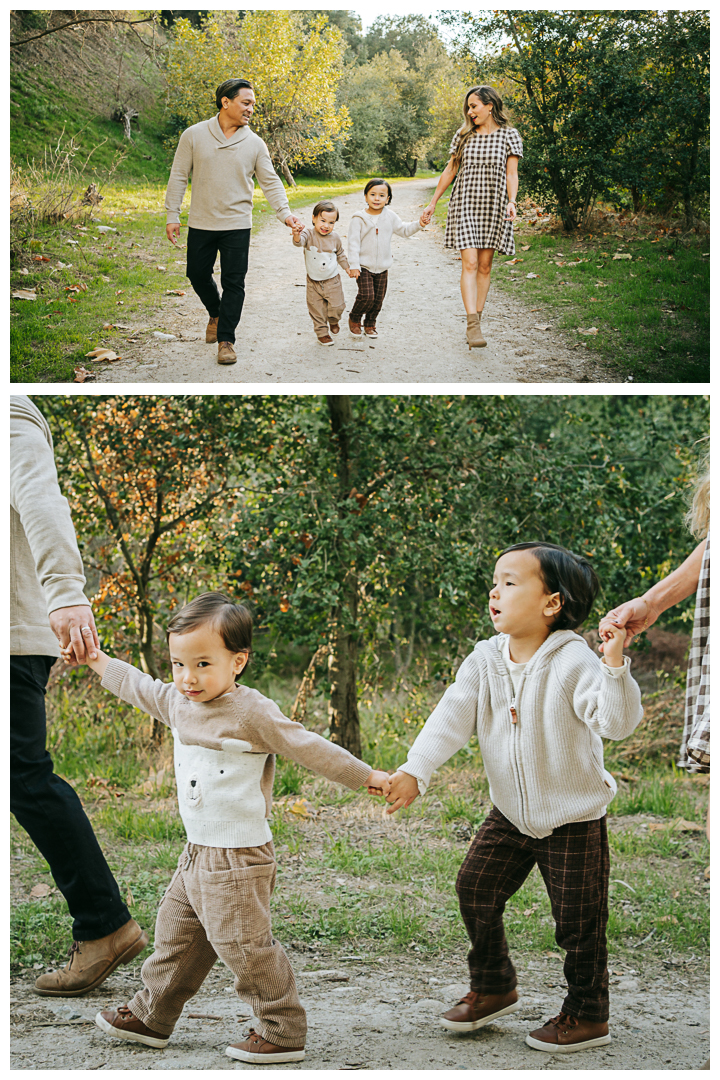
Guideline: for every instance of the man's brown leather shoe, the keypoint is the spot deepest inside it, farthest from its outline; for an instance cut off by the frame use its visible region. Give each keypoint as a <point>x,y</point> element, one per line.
<point>261,1052</point>
<point>211,330</point>
<point>226,353</point>
<point>125,1025</point>
<point>92,961</point>
<point>564,1034</point>
<point>476,1010</point>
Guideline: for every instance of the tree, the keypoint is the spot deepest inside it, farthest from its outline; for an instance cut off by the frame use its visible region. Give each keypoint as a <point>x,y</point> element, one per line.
<point>294,70</point>
<point>143,476</point>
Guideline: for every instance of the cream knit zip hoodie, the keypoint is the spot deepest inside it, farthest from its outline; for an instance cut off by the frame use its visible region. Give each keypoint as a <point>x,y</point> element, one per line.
<point>370,235</point>
<point>546,769</point>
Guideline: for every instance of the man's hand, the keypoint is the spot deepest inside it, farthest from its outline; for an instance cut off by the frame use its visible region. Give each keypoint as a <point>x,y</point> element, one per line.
<point>378,782</point>
<point>404,790</point>
<point>68,623</point>
<point>293,222</point>
<point>354,273</point>
<point>173,233</point>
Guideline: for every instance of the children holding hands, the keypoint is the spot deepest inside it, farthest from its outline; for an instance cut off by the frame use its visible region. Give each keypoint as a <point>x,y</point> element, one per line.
<point>541,702</point>
<point>218,902</point>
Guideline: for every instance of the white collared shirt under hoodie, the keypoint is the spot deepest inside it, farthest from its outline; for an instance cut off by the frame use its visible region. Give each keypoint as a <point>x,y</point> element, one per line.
<point>370,236</point>
<point>224,755</point>
<point>544,763</point>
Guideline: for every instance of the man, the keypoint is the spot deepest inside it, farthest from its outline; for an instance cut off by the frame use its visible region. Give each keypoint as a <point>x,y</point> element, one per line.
<point>47,602</point>
<point>223,155</point>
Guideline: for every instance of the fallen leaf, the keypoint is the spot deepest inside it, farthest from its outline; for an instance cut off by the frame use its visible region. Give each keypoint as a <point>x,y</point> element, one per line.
<point>553,955</point>
<point>511,262</point>
<point>25,294</point>
<point>618,256</point>
<point>104,277</point>
<point>542,326</point>
<point>590,330</point>
<point>668,918</point>
<point>302,808</point>
<point>82,374</point>
<point>163,337</point>
<point>24,270</point>
<point>601,285</point>
<point>525,247</point>
<point>161,267</point>
<point>677,823</point>
<point>41,258</point>
<point>531,275</point>
<point>105,228</point>
<point>38,891</point>
<point>174,292</point>
<point>103,354</point>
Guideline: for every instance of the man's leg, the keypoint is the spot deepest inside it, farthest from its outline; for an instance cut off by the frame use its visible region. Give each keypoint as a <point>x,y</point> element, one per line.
<point>202,249</point>
<point>51,813</point>
<point>234,246</point>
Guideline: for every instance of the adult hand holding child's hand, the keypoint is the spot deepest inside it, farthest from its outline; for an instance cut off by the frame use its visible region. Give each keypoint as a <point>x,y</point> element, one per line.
<point>403,792</point>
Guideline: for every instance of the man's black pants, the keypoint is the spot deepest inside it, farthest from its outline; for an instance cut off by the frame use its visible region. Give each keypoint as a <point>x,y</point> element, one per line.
<point>51,812</point>
<point>233,245</point>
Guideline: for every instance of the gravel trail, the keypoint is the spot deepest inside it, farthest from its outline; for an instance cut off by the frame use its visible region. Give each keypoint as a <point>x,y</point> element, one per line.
<point>421,327</point>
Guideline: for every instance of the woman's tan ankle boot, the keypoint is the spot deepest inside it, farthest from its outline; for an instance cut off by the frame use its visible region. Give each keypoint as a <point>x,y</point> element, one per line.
<point>474,335</point>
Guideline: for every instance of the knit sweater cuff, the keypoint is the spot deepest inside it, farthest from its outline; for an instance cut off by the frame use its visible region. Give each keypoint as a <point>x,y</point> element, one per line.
<point>355,774</point>
<point>617,672</point>
<point>114,675</point>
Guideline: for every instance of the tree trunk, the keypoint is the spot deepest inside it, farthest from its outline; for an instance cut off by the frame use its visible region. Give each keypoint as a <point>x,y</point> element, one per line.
<point>148,663</point>
<point>343,712</point>
<point>287,174</point>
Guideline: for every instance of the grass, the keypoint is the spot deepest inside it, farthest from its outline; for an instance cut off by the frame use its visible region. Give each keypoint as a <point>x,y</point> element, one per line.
<point>348,877</point>
<point>652,311</point>
<point>110,278</point>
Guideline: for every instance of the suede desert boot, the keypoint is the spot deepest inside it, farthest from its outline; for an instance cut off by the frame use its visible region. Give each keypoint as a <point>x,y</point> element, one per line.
<point>92,961</point>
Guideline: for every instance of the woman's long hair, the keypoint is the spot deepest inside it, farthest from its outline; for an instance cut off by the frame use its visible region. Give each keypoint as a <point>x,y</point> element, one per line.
<point>487,95</point>
<point>697,518</point>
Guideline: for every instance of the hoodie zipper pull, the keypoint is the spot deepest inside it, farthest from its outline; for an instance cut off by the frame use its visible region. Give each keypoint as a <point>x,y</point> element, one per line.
<point>513,713</point>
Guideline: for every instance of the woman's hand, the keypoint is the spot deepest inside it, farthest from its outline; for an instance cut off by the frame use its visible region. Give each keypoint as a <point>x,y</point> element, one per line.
<point>634,616</point>
<point>427,214</point>
<point>511,212</point>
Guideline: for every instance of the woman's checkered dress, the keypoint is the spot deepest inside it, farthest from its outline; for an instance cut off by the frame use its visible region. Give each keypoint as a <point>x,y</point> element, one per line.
<point>478,204</point>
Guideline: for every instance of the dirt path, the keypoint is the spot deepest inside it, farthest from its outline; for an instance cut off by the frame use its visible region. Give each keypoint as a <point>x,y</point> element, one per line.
<point>357,1007</point>
<point>422,325</point>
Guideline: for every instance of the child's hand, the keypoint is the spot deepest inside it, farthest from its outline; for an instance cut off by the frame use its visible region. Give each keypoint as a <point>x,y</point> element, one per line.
<point>613,641</point>
<point>353,273</point>
<point>67,655</point>
<point>404,790</point>
<point>378,782</point>
<point>427,215</point>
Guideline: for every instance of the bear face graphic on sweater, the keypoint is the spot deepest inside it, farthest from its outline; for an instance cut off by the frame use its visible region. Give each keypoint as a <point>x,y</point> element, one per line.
<point>320,264</point>
<point>219,785</point>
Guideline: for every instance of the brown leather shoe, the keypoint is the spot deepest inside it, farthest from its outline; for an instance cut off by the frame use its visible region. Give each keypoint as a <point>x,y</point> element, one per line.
<point>334,328</point>
<point>326,340</point>
<point>92,961</point>
<point>476,1010</point>
<point>370,331</point>
<point>355,328</point>
<point>261,1052</point>
<point>211,330</point>
<point>124,1025</point>
<point>226,353</point>
<point>565,1034</point>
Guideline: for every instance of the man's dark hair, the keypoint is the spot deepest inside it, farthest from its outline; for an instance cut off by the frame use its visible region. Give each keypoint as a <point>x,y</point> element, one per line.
<point>230,89</point>
<point>326,207</point>
<point>570,575</point>
<point>379,182</point>
<point>232,621</point>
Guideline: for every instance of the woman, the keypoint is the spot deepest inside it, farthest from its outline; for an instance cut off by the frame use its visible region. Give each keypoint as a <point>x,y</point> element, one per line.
<point>484,157</point>
<point>638,614</point>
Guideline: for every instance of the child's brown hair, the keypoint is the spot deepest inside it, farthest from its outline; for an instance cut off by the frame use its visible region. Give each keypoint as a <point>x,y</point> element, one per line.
<point>232,621</point>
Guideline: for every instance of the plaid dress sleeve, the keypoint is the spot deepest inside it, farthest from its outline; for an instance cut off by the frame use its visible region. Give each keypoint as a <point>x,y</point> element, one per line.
<point>476,212</point>
<point>695,748</point>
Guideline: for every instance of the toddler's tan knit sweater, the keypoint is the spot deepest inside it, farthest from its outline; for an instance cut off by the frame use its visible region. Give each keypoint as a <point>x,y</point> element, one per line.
<point>222,178</point>
<point>224,755</point>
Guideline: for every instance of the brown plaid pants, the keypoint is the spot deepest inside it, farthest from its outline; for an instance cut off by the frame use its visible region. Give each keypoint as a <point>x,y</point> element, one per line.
<point>370,296</point>
<point>218,905</point>
<point>575,864</point>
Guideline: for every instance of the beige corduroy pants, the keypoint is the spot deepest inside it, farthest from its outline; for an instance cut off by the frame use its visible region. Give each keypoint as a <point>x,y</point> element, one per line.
<point>325,302</point>
<point>218,905</point>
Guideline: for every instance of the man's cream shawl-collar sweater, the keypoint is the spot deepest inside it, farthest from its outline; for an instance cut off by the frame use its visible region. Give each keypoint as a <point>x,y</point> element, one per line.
<point>46,570</point>
<point>546,770</point>
<point>224,755</point>
<point>222,178</point>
